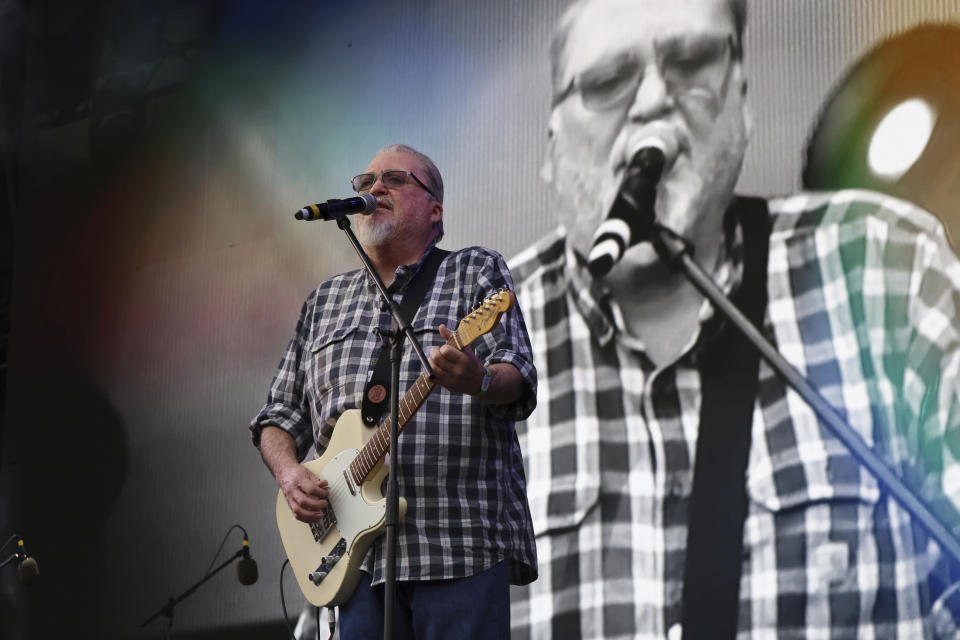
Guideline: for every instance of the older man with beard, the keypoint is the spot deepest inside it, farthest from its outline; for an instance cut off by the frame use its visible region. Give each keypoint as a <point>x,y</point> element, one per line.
<point>466,535</point>
<point>858,290</point>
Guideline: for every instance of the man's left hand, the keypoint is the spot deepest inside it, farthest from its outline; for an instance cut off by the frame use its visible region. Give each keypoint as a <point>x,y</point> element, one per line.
<point>456,370</point>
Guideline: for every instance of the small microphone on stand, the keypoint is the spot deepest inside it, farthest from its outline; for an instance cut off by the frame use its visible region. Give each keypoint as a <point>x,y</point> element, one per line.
<point>27,567</point>
<point>631,217</point>
<point>247,572</point>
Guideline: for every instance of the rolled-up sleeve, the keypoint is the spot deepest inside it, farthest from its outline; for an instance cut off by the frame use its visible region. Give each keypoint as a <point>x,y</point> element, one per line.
<point>288,406</point>
<point>510,343</point>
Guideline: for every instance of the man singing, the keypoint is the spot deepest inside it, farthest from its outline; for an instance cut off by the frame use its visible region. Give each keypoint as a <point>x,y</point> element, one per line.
<point>467,532</point>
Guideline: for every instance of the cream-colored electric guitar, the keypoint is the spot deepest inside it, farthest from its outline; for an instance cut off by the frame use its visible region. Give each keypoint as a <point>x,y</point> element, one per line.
<point>326,556</point>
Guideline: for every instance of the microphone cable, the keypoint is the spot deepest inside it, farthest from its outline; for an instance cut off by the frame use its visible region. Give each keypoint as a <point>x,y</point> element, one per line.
<point>9,540</point>
<point>222,544</point>
<point>283,602</point>
<point>286,616</point>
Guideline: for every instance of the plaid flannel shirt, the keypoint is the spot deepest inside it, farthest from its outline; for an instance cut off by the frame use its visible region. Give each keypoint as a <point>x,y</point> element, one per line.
<point>864,296</point>
<point>460,468</point>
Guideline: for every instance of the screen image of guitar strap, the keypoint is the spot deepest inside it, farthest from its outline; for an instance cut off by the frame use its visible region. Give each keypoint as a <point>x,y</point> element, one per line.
<point>718,504</point>
<point>376,394</point>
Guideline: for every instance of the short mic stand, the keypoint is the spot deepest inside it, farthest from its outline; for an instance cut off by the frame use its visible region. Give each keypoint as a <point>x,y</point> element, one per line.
<point>167,609</point>
<point>676,252</point>
<point>399,328</point>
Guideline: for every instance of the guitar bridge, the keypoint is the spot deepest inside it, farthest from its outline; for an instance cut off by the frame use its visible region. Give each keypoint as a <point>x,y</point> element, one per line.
<point>327,562</point>
<point>321,528</point>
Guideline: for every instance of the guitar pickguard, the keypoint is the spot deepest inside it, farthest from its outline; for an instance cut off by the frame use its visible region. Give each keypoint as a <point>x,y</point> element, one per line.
<point>354,514</point>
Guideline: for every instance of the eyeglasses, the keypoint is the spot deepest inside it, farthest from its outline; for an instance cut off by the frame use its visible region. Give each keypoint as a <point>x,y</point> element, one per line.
<point>689,67</point>
<point>391,179</point>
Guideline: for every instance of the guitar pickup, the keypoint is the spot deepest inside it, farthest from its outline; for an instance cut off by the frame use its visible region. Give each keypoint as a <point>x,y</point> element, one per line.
<point>327,562</point>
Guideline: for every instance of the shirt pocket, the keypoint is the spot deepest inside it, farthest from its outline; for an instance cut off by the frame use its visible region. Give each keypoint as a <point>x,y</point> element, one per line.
<point>817,520</point>
<point>425,329</point>
<point>340,364</point>
<point>789,481</point>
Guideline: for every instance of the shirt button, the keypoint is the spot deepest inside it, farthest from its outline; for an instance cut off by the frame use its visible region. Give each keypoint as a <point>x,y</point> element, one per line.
<point>675,632</point>
<point>676,487</point>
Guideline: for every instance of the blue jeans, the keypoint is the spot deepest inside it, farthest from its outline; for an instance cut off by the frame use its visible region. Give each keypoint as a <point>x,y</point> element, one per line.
<point>462,608</point>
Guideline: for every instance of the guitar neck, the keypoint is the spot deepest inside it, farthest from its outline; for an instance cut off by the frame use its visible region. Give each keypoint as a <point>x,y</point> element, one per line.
<point>379,444</point>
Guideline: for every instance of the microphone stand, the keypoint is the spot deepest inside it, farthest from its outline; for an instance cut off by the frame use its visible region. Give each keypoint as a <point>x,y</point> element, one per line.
<point>167,609</point>
<point>15,556</point>
<point>399,329</point>
<point>676,252</point>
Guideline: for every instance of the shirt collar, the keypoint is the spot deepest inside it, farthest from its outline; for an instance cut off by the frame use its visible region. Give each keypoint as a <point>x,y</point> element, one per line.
<point>404,273</point>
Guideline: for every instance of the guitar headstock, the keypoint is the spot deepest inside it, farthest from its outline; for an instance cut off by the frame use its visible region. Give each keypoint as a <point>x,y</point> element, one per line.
<point>486,316</point>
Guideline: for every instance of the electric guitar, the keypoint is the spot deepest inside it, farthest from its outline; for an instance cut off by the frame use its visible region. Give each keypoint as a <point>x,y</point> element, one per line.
<point>326,555</point>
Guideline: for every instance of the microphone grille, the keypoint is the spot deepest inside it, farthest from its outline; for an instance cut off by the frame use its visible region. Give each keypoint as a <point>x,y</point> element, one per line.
<point>371,202</point>
<point>247,572</point>
<point>28,570</point>
<point>648,156</point>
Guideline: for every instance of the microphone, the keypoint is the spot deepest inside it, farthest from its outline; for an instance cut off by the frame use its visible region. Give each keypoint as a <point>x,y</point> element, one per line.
<point>364,204</point>
<point>631,216</point>
<point>27,567</point>
<point>247,572</point>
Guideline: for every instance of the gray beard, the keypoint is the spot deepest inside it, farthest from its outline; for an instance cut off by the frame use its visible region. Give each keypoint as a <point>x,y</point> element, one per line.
<point>577,189</point>
<point>375,235</point>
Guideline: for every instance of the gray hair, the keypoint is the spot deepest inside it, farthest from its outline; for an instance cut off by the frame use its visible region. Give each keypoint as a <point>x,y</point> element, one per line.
<point>738,9</point>
<point>432,177</point>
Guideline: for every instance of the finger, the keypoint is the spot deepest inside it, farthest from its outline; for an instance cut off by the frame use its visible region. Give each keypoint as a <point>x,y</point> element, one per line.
<point>436,360</point>
<point>306,509</point>
<point>306,515</point>
<point>450,356</point>
<point>445,333</point>
<point>317,491</point>
<point>309,496</point>
<point>308,484</point>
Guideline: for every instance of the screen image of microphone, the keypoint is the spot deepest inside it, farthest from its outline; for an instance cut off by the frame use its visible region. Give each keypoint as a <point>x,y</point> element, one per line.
<point>631,217</point>
<point>247,572</point>
<point>334,209</point>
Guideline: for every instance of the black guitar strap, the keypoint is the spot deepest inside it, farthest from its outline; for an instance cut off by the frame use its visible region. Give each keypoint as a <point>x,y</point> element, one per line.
<point>718,504</point>
<point>375,394</point>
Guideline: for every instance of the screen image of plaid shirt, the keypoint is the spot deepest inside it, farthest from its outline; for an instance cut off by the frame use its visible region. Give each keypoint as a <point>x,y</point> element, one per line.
<point>460,466</point>
<point>864,300</point>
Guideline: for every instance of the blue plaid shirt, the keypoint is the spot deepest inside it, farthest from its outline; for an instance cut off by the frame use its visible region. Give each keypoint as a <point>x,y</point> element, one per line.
<point>864,300</point>
<point>460,469</point>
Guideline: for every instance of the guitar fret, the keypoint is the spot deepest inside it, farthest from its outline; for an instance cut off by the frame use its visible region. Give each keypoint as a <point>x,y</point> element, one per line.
<point>383,439</point>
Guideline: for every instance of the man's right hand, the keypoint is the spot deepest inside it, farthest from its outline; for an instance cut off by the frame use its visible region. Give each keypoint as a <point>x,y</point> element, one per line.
<point>306,494</point>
